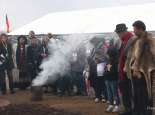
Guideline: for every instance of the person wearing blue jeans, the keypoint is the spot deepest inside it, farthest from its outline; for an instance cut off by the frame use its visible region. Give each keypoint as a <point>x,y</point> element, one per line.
<point>111,81</point>
<point>112,93</point>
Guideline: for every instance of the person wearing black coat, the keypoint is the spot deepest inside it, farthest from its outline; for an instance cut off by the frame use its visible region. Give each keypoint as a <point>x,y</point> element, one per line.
<point>24,80</point>
<point>77,67</point>
<point>33,58</point>
<point>111,80</point>
<point>92,71</point>
<point>43,51</point>
<point>6,63</point>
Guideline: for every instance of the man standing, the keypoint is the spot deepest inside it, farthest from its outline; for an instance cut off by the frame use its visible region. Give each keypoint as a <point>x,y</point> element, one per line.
<point>33,36</point>
<point>124,81</point>
<point>6,65</point>
<point>33,58</point>
<point>50,36</point>
<point>141,62</point>
<point>77,67</point>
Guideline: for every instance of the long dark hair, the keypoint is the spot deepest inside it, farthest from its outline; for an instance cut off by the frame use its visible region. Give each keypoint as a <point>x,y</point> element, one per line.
<point>113,55</point>
<point>18,44</point>
<point>24,37</point>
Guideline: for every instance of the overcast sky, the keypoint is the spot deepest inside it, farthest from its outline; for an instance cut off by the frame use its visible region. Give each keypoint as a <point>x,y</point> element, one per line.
<point>21,12</point>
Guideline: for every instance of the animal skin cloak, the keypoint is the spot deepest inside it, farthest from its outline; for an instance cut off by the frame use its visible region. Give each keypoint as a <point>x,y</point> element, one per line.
<point>141,56</point>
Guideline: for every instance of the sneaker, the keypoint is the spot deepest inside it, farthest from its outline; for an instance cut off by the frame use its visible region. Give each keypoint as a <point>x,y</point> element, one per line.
<point>114,102</point>
<point>108,102</point>
<point>96,100</point>
<point>109,109</point>
<point>103,100</point>
<point>116,109</point>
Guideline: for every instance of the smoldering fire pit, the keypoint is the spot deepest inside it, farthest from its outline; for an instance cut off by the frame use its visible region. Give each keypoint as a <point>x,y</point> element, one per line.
<point>32,109</point>
<point>37,93</point>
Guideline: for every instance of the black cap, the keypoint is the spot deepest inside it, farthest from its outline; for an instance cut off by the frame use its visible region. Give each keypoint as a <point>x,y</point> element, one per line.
<point>120,28</point>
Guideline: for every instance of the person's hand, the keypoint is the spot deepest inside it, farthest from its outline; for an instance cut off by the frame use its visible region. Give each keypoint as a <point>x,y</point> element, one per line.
<point>136,71</point>
<point>137,74</point>
<point>16,66</point>
<point>124,69</point>
<point>45,55</point>
<point>42,55</point>
<point>109,67</point>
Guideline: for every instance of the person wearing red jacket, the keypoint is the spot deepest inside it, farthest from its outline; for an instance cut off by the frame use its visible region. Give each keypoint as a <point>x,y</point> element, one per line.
<point>124,82</point>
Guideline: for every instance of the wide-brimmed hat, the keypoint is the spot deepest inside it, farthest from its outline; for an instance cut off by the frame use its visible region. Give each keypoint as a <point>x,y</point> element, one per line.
<point>120,28</point>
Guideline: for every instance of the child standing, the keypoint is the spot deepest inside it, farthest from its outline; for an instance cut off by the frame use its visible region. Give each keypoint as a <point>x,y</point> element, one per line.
<point>111,80</point>
<point>99,88</point>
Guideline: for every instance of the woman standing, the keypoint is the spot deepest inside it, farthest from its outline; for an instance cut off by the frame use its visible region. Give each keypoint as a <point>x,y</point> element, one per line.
<point>21,62</point>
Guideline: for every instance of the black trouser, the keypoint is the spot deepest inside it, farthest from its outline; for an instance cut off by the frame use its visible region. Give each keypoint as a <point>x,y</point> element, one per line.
<point>152,102</point>
<point>24,79</point>
<point>32,71</point>
<point>3,80</point>
<point>126,90</point>
<point>78,81</point>
<point>99,87</point>
<point>141,101</point>
<point>64,84</point>
<point>22,75</point>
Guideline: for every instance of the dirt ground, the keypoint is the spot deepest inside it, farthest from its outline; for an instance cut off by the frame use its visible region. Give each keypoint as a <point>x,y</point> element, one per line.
<point>84,105</point>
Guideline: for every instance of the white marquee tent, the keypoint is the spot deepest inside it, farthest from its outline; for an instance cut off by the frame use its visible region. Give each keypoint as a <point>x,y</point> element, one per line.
<point>98,20</point>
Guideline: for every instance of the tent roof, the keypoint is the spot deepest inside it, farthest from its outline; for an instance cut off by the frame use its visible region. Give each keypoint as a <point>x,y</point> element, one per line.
<point>98,20</point>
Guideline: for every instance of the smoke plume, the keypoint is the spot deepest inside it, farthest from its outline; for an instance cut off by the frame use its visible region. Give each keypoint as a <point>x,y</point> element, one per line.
<point>61,54</point>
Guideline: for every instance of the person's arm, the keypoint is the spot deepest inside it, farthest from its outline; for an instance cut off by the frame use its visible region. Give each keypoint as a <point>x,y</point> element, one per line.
<point>1,54</point>
<point>112,70</point>
<point>2,58</point>
<point>130,43</point>
<point>17,56</point>
<point>152,48</point>
<point>29,56</point>
<point>40,52</point>
<point>12,55</point>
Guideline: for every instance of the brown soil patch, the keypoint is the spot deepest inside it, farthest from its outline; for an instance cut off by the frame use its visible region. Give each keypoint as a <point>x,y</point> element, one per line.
<point>33,109</point>
<point>4,103</point>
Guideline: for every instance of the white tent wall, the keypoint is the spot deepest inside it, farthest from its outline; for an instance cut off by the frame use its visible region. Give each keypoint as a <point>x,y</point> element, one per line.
<point>91,21</point>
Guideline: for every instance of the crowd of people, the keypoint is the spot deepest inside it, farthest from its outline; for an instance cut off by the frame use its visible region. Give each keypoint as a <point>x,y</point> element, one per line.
<point>122,77</point>
<point>27,57</point>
